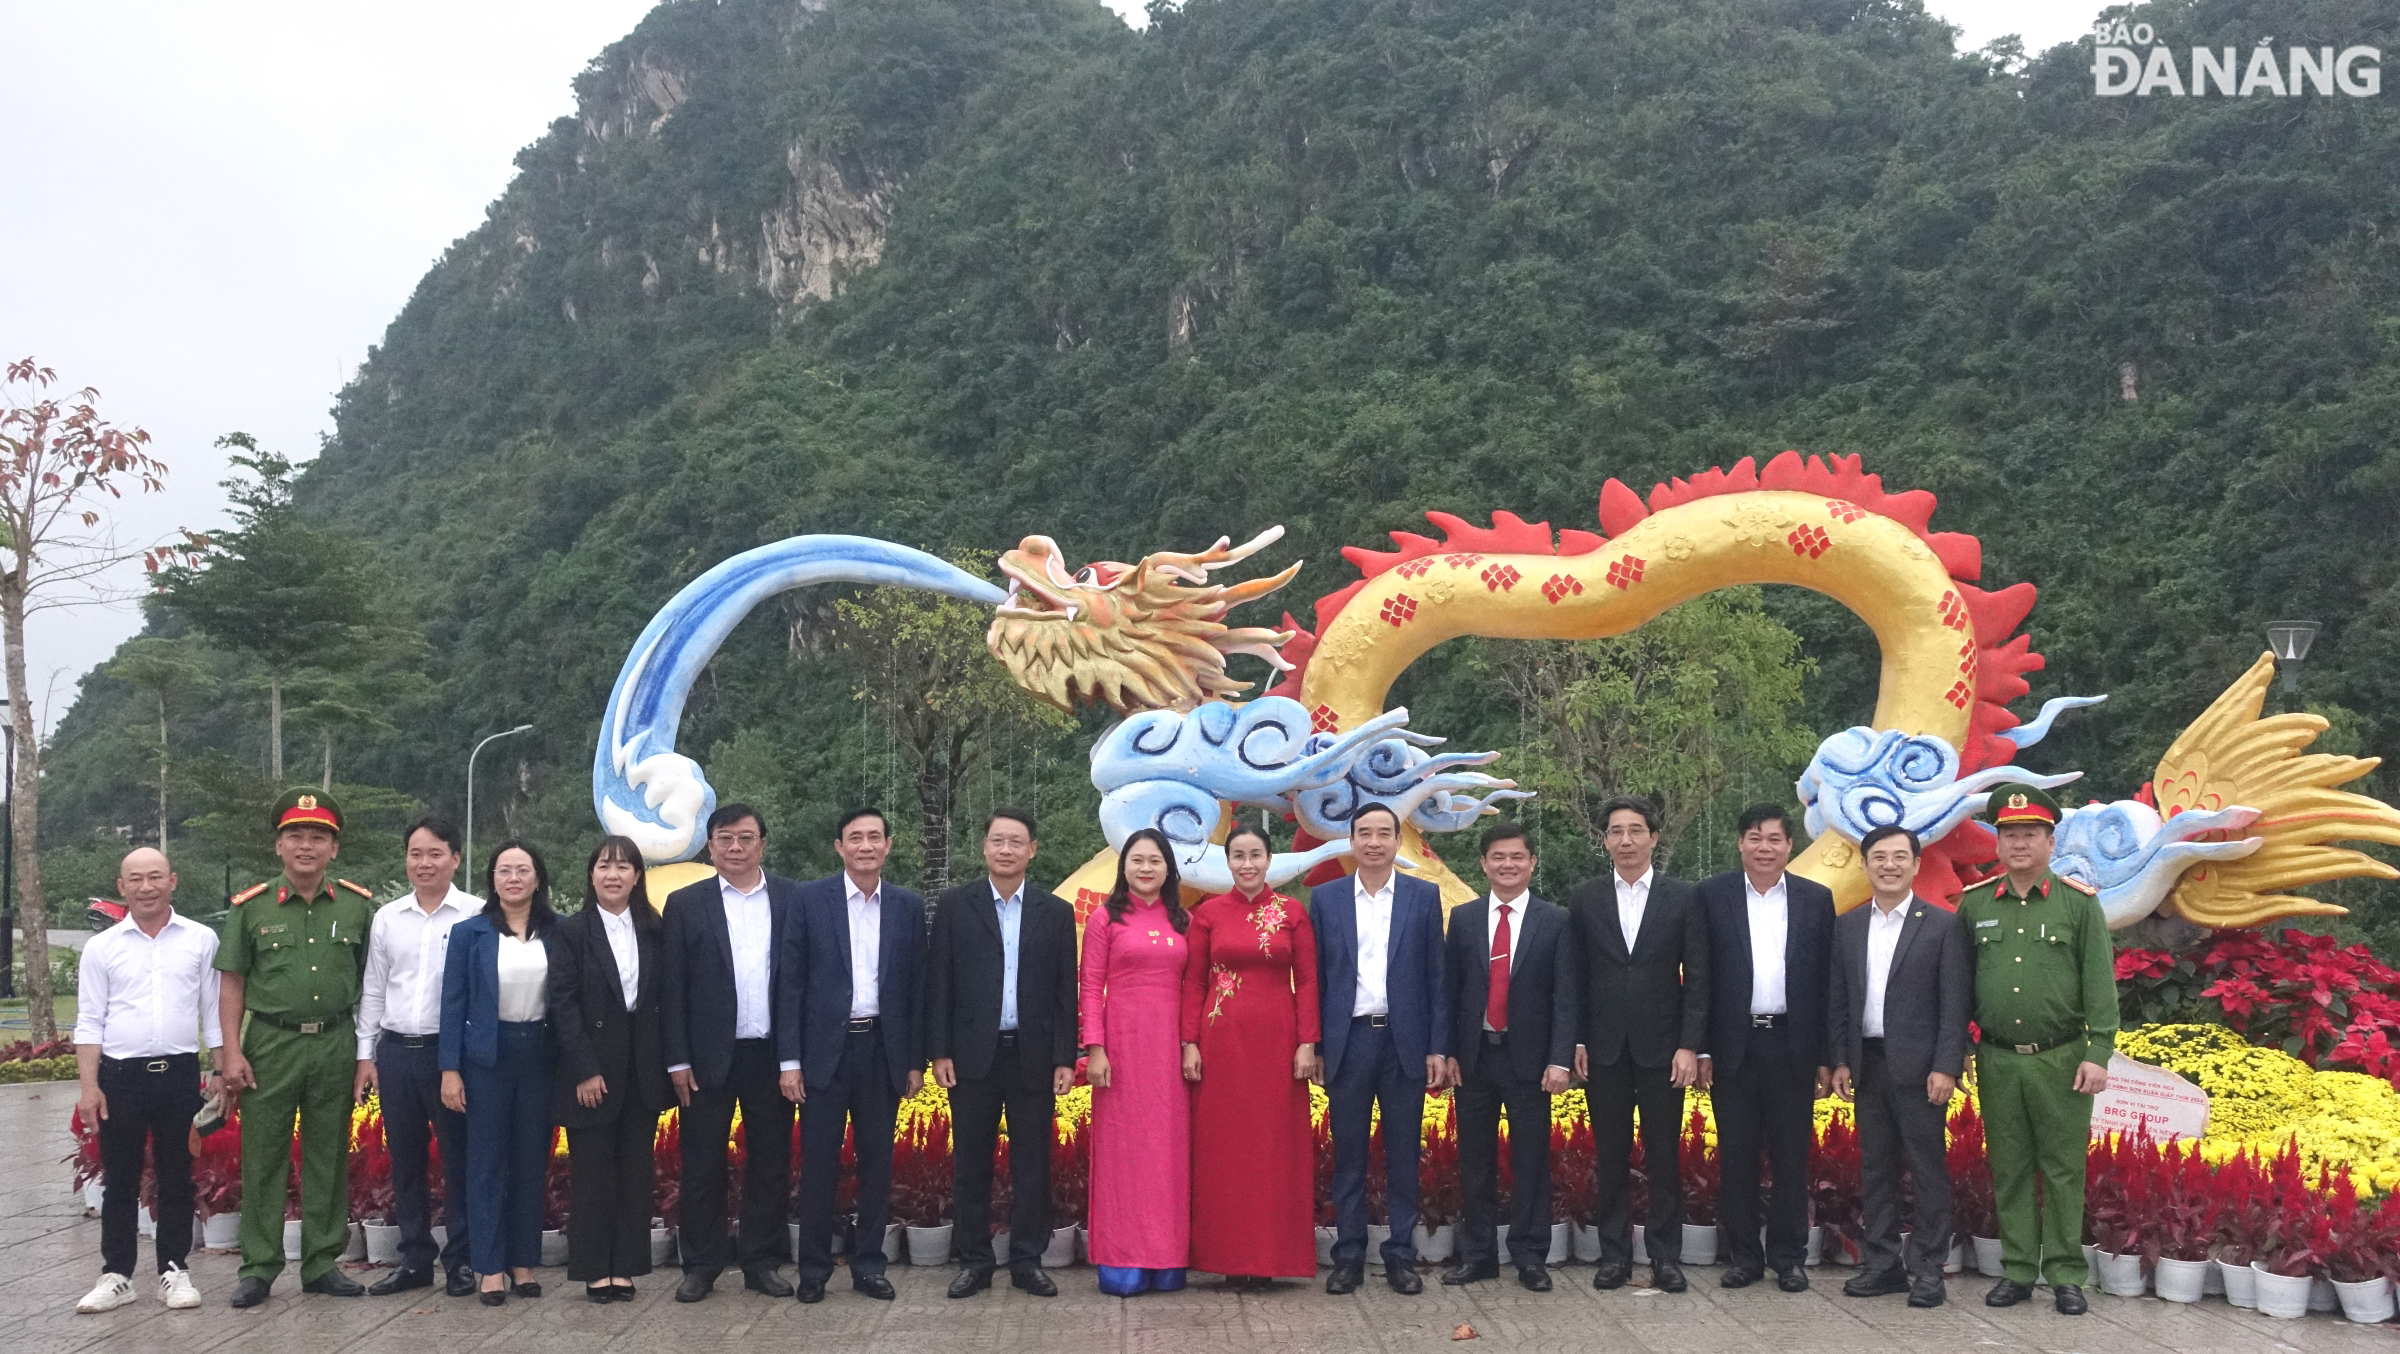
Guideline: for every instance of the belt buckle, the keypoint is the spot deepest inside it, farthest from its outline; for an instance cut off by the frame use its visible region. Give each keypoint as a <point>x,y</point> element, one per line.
<point>1378,1022</point>
<point>155,1065</point>
<point>863,1026</point>
<point>2027,1048</point>
<point>1762,1022</point>
<point>312,1027</point>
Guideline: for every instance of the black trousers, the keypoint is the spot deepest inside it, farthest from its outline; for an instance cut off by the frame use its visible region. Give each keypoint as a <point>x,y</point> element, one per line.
<point>860,1097</point>
<point>1490,1089</point>
<point>1371,1071</point>
<point>409,1087</point>
<point>151,1102</point>
<point>1896,1125</point>
<point>766,1170</point>
<point>1020,1087</point>
<point>608,1219</point>
<point>1766,1104</point>
<point>1616,1090</point>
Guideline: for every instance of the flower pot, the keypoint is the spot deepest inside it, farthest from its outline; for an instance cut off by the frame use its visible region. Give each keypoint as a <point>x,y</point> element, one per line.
<point>554,1248</point>
<point>1699,1244</point>
<point>221,1231</point>
<point>1377,1234</point>
<point>441,1235</point>
<point>2281,1295</point>
<point>1083,1244</point>
<point>1641,1233</point>
<point>94,1194</point>
<point>1816,1247</point>
<point>354,1250</point>
<point>2241,1283</point>
<point>929,1245</point>
<point>1956,1261</point>
<point>893,1234</point>
<point>291,1239</point>
<point>2321,1296</point>
<point>2120,1275</point>
<point>2367,1301</point>
<point>1437,1245</point>
<point>1586,1243</point>
<point>1060,1253</point>
<point>662,1245</point>
<point>145,1223</point>
<point>1987,1255</point>
<point>845,1231</point>
<point>1325,1236</point>
<point>1562,1243</point>
<point>383,1243</point>
<point>2091,1260</point>
<point>2212,1285</point>
<point>2181,1280</point>
<point>1000,1245</point>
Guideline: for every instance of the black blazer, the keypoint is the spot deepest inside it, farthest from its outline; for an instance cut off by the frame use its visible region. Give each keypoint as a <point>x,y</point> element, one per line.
<point>1807,966</point>
<point>960,1013</point>
<point>596,1035</point>
<point>812,982</point>
<point>1648,1002</point>
<point>1926,994</point>
<point>1541,988</point>
<point>695,991</point>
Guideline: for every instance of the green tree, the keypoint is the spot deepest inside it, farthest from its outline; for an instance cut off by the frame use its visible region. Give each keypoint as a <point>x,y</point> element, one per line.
<point>165,671</point>
<point>1694,705</point>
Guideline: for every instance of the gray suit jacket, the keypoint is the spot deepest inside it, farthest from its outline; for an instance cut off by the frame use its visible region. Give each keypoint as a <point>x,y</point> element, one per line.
<point>1925,999</point>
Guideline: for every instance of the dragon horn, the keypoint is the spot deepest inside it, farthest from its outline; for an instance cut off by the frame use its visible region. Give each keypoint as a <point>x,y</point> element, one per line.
<point>1238,593</point>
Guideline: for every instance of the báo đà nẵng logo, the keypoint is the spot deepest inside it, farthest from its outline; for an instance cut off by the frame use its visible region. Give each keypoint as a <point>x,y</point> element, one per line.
<point>2129,59</point>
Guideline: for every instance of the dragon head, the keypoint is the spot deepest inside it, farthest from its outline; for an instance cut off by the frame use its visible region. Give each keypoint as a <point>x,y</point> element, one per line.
<point>1146,636</point>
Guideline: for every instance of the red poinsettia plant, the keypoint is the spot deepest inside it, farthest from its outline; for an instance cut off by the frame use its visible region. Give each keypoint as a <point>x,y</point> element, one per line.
<point>2326,1003</point>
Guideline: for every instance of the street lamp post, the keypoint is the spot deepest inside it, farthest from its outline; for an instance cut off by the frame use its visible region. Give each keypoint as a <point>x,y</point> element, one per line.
<point>8,866</point>
<point>2290,641</point>
<point>470,856</point>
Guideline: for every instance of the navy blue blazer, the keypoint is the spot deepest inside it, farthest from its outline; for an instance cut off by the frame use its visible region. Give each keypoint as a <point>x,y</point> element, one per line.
<point>471,994</point>
<point>1412,979</point>
<point>812,982</point>
<point>696,997</point>
<point>1807,968</point>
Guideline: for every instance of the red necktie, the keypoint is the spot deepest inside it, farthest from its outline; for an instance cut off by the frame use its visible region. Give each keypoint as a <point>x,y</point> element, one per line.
<point>1495,1001</point>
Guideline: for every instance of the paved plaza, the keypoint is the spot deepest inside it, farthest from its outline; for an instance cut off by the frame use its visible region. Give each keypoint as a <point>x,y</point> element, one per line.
<point>50,1252</point>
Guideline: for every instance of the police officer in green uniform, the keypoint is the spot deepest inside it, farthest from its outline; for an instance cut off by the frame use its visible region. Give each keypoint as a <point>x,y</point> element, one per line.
<point>291,956</point>
<point>2046,1003</point>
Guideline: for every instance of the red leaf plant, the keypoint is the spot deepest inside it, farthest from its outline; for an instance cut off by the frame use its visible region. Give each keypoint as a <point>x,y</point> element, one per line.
<point>1440,1197</point>
<point>1834,1183</point>
<point>2328,1004</point>
<point>2184,1205</point>
<point>1700,1171</point>
<point>1070,1175</point>
<point>1973,1211</point>
<point>1574,1174</point>
<point>2300,1233</point>
<point>370,1169</point>
<point>921,1181</point>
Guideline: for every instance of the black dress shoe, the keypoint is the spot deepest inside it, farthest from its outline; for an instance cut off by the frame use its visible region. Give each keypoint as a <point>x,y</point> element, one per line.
<point>599,1292</point>
<point>1927,1292</point>
<point>400,1281</point>
<point>335,1284</point>
<point>1403,1279</point>
<point>531,1288</point>
<point>2006,1293</point>
<point>1875,1283</point>
<point>1793,1280</point>
<point>1465,1272</point>
<point>1667,1278</point>
<point>250,1292</point>
<point>1739,1276</point>
<point>1346,1278</point>
<point>2068,1299</point>
<point>461,1281</point>
<point>621,1293</point>
<point>809,1290</point>
<point>1036,1281</point>
<point>493,1297</point>
<point>1611,1274</point>
<point>766,1281</point>
<point>1535,1279</point>
<point>874,1285</point>
<point>969,1282</point>
<point>695,1285</point>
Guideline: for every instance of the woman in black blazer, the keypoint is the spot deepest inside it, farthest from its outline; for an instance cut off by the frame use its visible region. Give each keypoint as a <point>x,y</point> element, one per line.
<point>612,1077</point>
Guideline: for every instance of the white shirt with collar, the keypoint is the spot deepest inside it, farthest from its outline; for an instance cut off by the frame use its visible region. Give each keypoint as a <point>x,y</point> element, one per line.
<point>1883,942</point>
<point>1010,908</point>
<point>866,947</point>
<point>406,948</point>
<point>624,946</point>
<point>1633,900</point>
<point>1493,902</point>
<point>750,925</point>
<point>144,996</point>
<point>1374,925</point>
<point>1770,929</point>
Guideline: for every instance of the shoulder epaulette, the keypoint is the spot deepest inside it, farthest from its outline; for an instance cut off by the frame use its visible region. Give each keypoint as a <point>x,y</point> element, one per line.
<point>360,889</point>
<point>249,893</point>
<point>2078,885</point>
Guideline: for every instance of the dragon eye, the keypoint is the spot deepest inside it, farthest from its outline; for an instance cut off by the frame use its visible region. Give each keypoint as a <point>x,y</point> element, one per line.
<point>1087,575</point>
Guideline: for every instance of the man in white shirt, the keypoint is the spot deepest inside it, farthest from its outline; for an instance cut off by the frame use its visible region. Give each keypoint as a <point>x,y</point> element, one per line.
<point>399,1057</point>
<point>146,1000</point>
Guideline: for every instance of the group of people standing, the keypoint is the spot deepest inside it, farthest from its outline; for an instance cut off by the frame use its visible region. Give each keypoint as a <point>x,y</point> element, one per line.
<point>483,1024</point>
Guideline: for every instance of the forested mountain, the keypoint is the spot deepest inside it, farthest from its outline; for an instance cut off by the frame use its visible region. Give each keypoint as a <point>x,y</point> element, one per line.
<point>949,273</point>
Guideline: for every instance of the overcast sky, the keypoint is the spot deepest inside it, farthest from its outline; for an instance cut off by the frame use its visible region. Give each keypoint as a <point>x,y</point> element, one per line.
<point>216,207</point>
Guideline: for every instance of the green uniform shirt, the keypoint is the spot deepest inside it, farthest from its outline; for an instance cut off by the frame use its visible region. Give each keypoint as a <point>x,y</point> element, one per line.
<point>301,958</point>
<point>2045,972</point>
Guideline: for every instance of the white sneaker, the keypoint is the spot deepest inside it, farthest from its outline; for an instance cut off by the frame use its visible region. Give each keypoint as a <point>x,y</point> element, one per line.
<point>113,1291</point>
<point>175,1288</point>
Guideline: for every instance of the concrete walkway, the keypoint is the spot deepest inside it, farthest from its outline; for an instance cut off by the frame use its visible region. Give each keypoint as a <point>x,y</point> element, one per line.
<point>49,1253</point>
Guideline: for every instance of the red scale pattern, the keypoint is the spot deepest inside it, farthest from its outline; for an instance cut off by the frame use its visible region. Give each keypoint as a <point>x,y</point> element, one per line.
<point>1500,578</point>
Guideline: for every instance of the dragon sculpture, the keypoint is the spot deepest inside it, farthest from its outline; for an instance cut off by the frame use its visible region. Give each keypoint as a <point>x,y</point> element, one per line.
<point>1150,641</point>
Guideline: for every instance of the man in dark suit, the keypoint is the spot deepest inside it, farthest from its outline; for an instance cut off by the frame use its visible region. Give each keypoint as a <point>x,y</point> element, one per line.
<point>999,1021</point>
<point>845,1027</point>
<point>1641,961</point>
<point>1512,994</point>
<point>1379,977</point>
<point>717,1030</point>
<point>1902,985</point>
<point>1771,951</point>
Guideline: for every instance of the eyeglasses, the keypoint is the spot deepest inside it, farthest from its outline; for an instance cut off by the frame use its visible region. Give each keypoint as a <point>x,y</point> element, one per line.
<point>735,839</point>
<point>1625,834</point>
